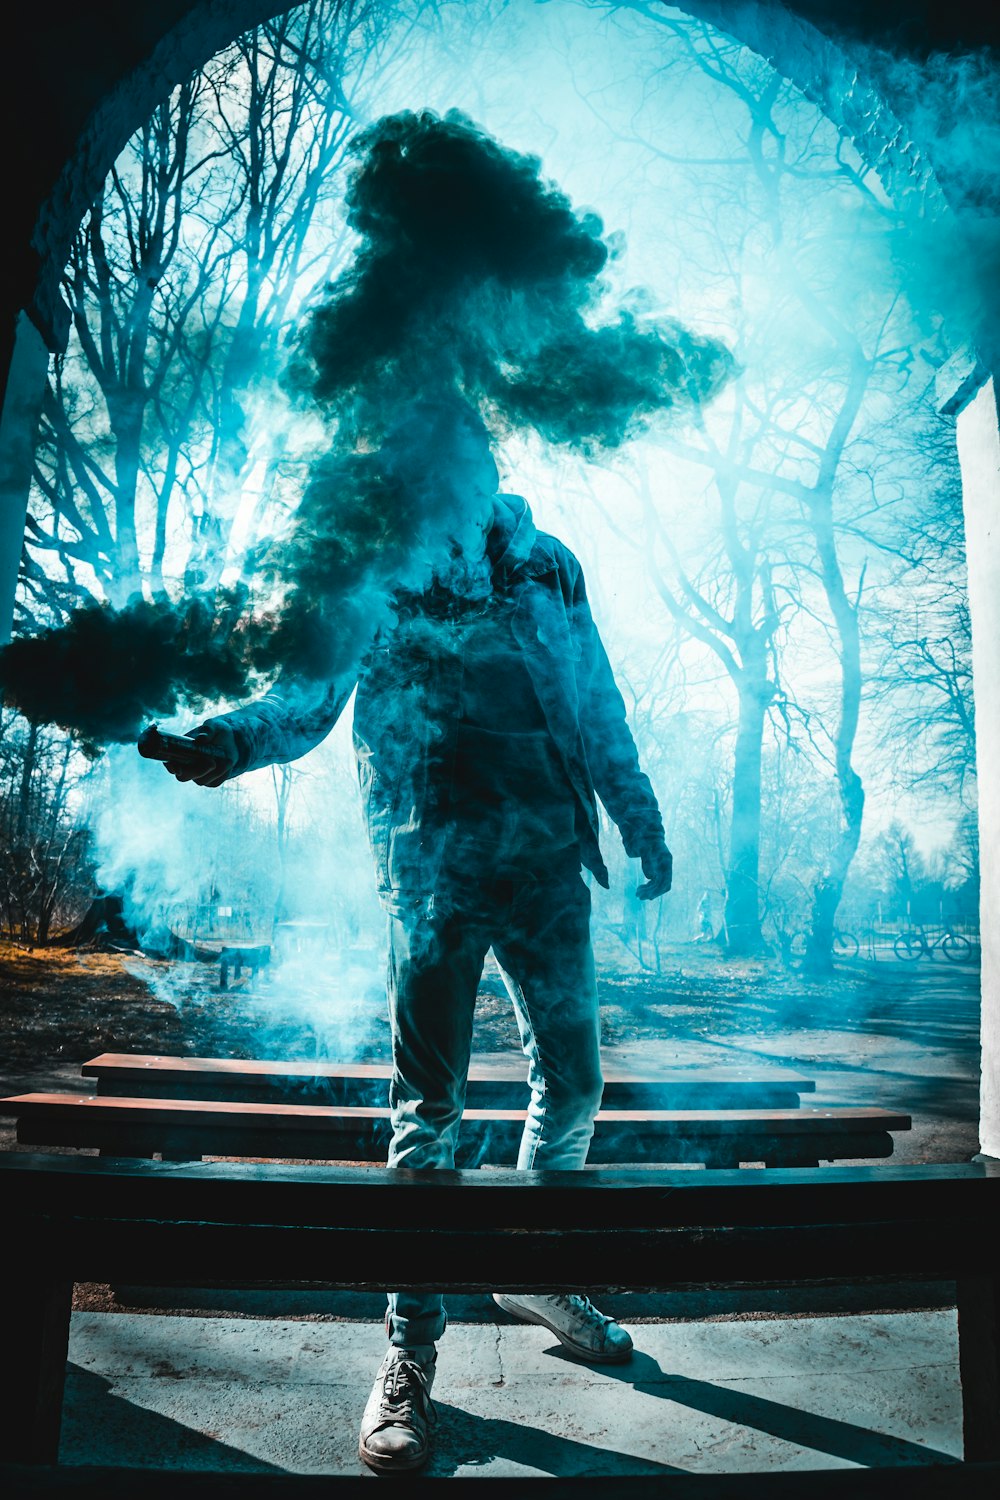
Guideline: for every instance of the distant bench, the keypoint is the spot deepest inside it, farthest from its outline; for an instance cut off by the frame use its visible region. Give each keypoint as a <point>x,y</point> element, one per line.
<point>187,1108</point>
<point>86,1219</point>
<point>491,1084</point>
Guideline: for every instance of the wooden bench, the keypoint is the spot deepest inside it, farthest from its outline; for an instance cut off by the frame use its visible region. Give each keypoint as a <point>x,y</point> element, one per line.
<point>92,1219</point>
<point>500,1084</point>
<point>966,1481</point>
<point>187,1108</point>
<point>184,1129</point>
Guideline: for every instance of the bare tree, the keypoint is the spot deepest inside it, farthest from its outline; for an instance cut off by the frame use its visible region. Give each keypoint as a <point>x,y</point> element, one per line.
<point>922,644</point>
<point>782,570</point>
<point>45,873</point>
<point>218,221</point>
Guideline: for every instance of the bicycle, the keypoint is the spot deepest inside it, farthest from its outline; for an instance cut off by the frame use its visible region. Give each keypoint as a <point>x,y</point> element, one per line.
<point>914,944</point>
<point>845,944</point>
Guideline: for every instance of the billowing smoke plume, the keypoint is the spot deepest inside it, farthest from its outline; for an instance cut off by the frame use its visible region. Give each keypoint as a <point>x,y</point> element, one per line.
<point>475,273</point>
<point>476,291</point>
<point>102,672</point>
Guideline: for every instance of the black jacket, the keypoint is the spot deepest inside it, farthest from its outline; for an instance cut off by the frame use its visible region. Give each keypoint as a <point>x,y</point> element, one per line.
<point>407,709</point>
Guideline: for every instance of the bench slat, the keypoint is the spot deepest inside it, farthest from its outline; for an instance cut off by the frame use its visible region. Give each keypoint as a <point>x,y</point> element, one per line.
<point>281,1194</point>
<point>496,1083</point>
<point>497,1148</point>
<point>955,1481</point>
<point>483,1068</point>
<point>647,1230</point>
<point>680,1122</point>
<point>183,1129</point>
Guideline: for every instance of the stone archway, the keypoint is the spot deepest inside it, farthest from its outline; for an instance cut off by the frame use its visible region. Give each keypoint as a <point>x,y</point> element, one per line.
<point>96,95</point>
<point>806,41</point>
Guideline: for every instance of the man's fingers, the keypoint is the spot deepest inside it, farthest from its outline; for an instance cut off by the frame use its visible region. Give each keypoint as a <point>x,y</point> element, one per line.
<point>182,770</point>
<point>220,741</point>
<point>205,773</point>
<point>658,865</point>
<point>215,765</point>
<point>215,777</point>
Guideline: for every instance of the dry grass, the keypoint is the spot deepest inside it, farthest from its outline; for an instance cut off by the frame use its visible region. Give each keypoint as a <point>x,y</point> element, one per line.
<point>58,1007</point>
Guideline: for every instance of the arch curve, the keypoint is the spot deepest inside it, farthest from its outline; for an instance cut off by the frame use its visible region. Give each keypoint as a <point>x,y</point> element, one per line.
<point>143,57</point>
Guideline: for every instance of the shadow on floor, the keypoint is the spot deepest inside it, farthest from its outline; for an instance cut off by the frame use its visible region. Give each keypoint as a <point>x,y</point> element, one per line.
<point>138,1438</point>
<point>465,1440</point>
<point>805,1429</point>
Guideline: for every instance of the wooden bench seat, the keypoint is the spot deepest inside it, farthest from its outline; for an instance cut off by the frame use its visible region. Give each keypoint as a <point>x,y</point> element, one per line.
<point>184,1129</point>
<point>967,1481</point>
<point>496,1084</point>
<point>91,1219</point>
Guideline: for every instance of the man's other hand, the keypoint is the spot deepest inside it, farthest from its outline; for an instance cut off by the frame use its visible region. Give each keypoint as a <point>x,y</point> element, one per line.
<point>658,868</point>
<point>217,737</point>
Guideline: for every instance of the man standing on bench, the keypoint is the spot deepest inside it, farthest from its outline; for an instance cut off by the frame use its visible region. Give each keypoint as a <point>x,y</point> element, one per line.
<point>486,724</point>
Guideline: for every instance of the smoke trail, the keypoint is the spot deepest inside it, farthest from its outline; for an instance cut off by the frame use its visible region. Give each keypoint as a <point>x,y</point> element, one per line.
<point>102,672</point>
<point>476,290</point>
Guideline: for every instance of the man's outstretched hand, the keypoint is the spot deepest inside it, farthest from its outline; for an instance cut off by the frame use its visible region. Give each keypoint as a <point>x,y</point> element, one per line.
<point>658,868</point>
<point>219,739</point>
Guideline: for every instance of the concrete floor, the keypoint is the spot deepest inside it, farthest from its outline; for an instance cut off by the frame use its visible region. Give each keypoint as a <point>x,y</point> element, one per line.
<point>256,1394</point>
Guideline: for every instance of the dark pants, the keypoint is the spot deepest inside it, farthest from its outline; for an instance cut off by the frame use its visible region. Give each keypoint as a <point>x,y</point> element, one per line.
<point>538,926</point>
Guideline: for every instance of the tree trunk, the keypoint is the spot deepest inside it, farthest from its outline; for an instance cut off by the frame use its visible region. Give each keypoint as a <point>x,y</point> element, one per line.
<point>43,924</point>
<point>283,779</point>
<point>830,887</point>
<point>742,918</point>
<point>24,794</point>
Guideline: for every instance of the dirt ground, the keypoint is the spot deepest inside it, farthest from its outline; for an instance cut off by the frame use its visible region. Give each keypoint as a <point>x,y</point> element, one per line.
<point>905,1035</point>
<point>902,1036</point>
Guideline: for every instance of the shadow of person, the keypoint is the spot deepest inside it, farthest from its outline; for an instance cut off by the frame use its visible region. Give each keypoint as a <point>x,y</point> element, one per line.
<point>120,1434</point>
<point>790,1424</point>
<point>465,1440</point>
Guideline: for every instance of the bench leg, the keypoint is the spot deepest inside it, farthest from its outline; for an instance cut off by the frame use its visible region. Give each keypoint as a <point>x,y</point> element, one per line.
<point>720,1161</point>
<point>978,1301</point>
<point>36,1342</point>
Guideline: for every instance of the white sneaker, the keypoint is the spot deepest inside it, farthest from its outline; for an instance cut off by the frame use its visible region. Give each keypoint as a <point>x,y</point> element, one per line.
<point>399,1418</point>
<point>576,1323</point>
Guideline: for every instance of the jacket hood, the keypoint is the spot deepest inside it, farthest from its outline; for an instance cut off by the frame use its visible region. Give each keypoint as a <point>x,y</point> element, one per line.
<point>512,535</point>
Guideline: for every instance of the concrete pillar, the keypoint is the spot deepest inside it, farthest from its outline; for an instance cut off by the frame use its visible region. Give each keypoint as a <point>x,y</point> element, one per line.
<point>18,428</point>
<point>968,392</point>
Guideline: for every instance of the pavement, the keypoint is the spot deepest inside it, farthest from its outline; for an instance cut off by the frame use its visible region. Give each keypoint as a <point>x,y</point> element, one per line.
<point>910,1044</point>
<point>715,1394</point>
